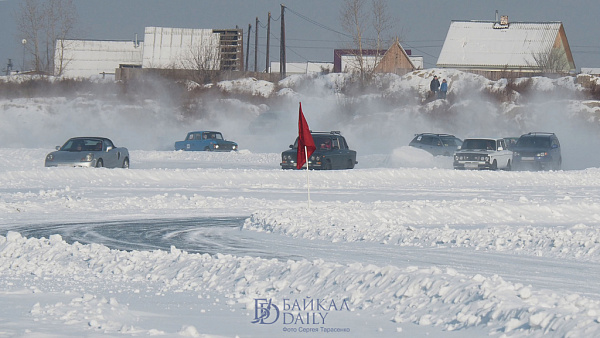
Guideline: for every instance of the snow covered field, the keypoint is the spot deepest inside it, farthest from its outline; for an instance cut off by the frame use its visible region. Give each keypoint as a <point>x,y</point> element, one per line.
<point>410,251</point>
<point>401,246</point>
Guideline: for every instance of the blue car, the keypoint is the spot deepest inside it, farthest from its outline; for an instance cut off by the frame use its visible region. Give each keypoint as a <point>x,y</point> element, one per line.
<point>205,141</point>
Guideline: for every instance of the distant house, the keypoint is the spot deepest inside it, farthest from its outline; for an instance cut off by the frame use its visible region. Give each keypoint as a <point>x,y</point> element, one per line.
<point>308,67</point>
<point>396,60</point>
<point>590,71</point>
<point>494,48</point>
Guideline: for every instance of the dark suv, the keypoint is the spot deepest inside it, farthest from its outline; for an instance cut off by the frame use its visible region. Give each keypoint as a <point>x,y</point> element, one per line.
<point>436,144</point>
<point>332,153</point>
<point>537,151</point>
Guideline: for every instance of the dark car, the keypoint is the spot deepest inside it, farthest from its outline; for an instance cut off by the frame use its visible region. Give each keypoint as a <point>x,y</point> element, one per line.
<point>510,142</point>
<point>205,141</point>
<point>436,144</point>
<point>332,153</point>
<point>537,151</point>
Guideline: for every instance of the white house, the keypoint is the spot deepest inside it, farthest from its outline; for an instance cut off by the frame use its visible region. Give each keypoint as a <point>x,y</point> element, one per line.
<point>500,46</point>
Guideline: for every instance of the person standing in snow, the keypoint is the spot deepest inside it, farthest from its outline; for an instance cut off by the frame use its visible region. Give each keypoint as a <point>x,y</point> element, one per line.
<point>443,89</point>
<point>434,85</point>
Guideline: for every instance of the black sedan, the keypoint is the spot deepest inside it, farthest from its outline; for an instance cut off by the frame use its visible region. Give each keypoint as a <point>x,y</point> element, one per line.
<point>332,153</point>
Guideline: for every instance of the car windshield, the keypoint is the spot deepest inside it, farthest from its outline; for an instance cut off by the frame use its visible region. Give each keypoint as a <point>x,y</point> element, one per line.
<point>82,144</point>
<point>479,144</point>
<point>533,142</point>
<point>322,142</point>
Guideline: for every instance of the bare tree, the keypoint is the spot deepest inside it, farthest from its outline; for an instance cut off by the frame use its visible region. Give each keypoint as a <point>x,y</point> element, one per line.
<point>202,61</point>
<point>62,18</point>
<point>367,26</point>
<point>553,62</point>
<point>42,24</point>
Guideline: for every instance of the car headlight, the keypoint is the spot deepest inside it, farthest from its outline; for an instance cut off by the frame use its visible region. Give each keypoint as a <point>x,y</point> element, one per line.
<point>50,157</point>
<point>216,146</point>
<point>542,154</point>
<point>516,153</point>
<point>88,158</point>
<point>487,158</point>
<point>234,147</point>
<point>456,157</point>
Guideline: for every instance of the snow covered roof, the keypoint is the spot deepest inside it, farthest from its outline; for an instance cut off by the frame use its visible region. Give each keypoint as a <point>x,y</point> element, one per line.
<point>489,44</point>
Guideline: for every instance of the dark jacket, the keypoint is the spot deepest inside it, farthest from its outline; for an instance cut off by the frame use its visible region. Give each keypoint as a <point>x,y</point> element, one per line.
<point>434,85</point>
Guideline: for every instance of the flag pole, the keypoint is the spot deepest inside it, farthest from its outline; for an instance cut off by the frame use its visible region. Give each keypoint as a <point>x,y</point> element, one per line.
<point>307,179</point>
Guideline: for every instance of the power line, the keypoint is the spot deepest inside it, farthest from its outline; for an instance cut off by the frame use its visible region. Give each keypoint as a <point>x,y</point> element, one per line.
<point>316,23</point>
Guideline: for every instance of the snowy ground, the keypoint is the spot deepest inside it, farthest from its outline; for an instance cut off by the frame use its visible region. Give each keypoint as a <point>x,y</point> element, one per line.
<point>225,244</point>
<point>386,251</point>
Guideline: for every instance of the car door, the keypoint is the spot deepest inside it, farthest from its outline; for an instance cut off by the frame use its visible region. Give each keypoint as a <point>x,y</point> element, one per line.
<point>336,154</point>
<point>425,143</point>
<point>434,145</point>
<point>187,144</point>
<point>110,155</point>
<point>504,155</point>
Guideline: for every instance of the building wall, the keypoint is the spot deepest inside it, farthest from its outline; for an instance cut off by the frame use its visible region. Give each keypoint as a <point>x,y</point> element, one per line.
<point>87,58</point>
<point>302,67</point>
<point>181,48</point>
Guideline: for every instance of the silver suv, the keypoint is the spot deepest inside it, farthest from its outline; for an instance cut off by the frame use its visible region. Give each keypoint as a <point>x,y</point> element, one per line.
<point>436,144</point>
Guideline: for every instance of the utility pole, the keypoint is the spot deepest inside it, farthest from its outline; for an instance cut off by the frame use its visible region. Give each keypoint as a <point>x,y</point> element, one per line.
<point>248,45</point>
<point>256,46</point>
<point>282,60</point>
<point>268,43</point>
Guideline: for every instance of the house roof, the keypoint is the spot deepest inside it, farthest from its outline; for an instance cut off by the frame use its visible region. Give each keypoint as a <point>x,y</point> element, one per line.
<point>488,44</point>
<point>392,54</point>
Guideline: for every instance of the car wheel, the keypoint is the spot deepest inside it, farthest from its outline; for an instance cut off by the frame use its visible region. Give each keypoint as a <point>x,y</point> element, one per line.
<point>126,163</point>
<point>508,167</point>
<point>327,165</point>
<point>494,165</point>
<point>99,163</point>
<point>558,165</point>
<point>206,149</point>
<point>350,164</point>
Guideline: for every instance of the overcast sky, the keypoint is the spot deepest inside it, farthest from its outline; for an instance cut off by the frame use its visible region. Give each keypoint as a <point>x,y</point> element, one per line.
<point>313,27</point>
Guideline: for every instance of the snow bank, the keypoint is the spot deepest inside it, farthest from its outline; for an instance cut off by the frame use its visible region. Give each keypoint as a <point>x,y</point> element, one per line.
<point>431,296</point>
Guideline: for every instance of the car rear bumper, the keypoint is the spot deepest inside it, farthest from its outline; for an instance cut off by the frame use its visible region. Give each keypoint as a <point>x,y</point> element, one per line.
<point>533,163</point>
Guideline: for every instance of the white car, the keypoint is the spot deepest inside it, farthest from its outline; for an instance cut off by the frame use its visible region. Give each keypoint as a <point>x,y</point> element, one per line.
<point>483,153</point>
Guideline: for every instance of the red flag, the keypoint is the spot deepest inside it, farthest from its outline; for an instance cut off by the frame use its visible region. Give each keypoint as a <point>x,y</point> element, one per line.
<point>305,139</point>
